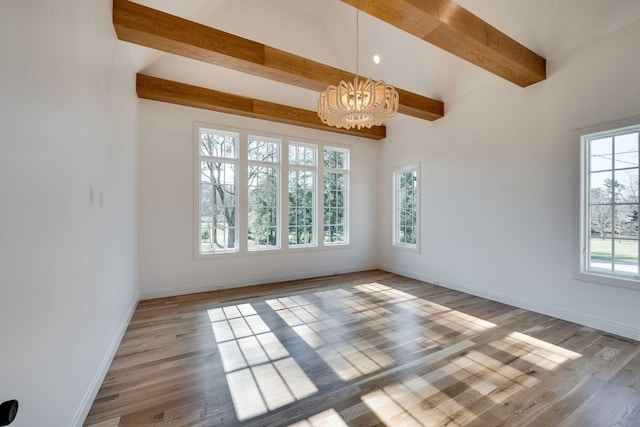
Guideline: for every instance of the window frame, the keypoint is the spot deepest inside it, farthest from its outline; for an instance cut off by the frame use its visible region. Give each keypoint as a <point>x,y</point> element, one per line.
<point>243,164</point>
<point>235,161</point>
<point>313,170</point>
<point>581,252</point>
<point>345,171</point>
<point>395,241</point>
<point>278,206</point>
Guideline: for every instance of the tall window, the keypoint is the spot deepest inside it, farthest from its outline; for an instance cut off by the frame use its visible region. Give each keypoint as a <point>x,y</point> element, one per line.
<point>406,207</point>
<point>610,202</point>
<point>264,206</point>
<point>336,176</point>
<point>302,176</point>
<point>218,191</point>
<point>257,193</point>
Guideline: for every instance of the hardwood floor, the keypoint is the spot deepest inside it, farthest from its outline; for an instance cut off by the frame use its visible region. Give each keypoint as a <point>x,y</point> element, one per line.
<point>363,349</point>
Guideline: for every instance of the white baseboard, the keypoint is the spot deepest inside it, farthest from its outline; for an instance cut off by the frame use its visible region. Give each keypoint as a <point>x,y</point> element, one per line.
<point>560,313</point>
<point>260,280</point>
<point>92,392</point>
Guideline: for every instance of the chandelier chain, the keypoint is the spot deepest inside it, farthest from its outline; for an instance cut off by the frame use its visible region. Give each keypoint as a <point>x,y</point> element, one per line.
<point>357,44</point>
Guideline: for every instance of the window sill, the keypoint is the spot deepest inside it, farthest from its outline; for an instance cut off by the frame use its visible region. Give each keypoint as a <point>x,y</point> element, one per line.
<point>415,250</point>
<point>279,251</point>
<point>630,282</point>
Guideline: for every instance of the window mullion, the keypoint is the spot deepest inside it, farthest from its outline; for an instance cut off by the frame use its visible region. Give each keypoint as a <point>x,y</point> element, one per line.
<point>637,206</point>
<point>241,195</point>
<point>284,195</point>
<point>319,225</point>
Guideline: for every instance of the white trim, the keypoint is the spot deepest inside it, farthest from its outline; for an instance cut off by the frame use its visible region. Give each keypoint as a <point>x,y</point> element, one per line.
<point>274,251</point>
<point>560,313</point>
<point>258,280</point>
<point>83,410</point>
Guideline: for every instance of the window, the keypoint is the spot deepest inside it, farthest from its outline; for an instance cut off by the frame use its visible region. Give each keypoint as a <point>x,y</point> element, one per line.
<point>258,193</point>
<point>610,204</point>
<point>336,177</point>
<point>406,207</point>
<point>218,185</point>
<point>264,191</point>
<point>302,189</point>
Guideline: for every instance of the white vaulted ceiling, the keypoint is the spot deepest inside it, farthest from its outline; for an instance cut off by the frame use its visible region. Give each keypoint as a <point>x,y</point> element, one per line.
<point>324,31</point>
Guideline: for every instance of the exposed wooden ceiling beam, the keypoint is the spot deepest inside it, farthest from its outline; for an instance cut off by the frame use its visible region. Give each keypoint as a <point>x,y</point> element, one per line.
<point>449,26</point>
<point>141,25</point>
<point>172,92</point>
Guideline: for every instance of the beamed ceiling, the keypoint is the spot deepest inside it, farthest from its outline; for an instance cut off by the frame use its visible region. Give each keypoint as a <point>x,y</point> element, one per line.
<point>269,59</point>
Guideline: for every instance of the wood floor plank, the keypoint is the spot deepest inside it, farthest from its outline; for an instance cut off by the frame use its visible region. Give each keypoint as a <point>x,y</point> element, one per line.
<point>362,349</point>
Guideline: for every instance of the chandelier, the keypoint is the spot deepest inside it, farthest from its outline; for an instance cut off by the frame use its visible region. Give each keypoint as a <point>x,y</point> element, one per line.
<point>361,103</point>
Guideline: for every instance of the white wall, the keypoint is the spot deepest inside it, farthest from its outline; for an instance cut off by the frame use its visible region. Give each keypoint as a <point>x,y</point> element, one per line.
<point>499,182</point>
<point>167,264</point>
<point>68,274</point>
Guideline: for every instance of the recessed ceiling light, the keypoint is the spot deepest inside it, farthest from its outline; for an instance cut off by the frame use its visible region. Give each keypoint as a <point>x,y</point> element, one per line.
<point>376,59</point>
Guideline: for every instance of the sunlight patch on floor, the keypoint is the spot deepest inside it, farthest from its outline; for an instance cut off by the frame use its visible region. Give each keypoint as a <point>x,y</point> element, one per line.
<point>453,320</point>
<point>538,352</point>
<point>328,418</point>
<point>350,358</point>
<point>416,402</point>
<point>504,379</point>
<point>423,399</point>
<point>260,373</point>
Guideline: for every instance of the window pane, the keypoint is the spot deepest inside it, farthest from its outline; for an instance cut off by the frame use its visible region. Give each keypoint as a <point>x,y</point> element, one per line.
<point>626,221</point>
<point>264,149</point>
<point>302,154</point>
<point>601,254</point>
<point>626,186</point>
<point>301,206</point>
<point>293,154</point>
<point>601,187</point>
<point>206,216</point>
<point>263,208</point>
<point>626,256</point>
<point>626,151</point>
<point>218,216</point>
<point>601,154</point>
<point>218,144</point>
<point>334,159</point>
<point>600,219</point>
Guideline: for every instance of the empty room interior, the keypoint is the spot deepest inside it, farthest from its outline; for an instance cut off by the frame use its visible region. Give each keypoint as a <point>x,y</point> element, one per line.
<point>319,213</point>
